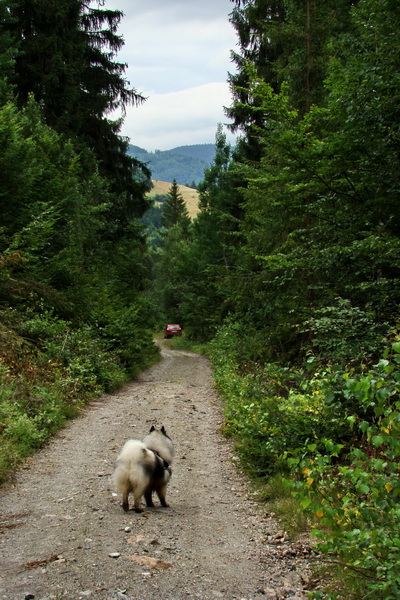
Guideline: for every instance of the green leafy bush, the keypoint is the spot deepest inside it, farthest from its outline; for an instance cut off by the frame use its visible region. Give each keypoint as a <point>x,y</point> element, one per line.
<point>125,334</point>
<point>342,333</point>
<point>356,500</point>
<point>29,415</point>
<point>269,410</point>
<point>47,375</point>
<point>335,435</point>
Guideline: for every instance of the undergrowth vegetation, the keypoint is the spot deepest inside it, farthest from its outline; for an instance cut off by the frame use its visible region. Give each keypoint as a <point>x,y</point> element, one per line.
<point>332,436</point>
<point>50,368</point>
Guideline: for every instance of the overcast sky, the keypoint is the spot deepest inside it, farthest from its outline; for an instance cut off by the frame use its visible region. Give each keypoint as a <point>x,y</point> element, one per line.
<point>178,56</point>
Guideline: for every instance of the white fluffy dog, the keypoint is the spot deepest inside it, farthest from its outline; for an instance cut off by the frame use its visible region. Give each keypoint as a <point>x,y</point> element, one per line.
<point>144,467</point>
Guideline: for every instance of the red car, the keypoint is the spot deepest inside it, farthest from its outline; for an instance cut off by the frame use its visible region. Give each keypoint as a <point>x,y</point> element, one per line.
<point>171,330</point>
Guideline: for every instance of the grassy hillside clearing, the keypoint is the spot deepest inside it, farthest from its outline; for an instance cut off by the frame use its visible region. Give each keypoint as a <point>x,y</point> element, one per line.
<point>190,195</point>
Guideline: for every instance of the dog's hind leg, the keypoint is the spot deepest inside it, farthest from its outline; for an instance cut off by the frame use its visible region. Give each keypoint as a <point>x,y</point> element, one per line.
<point>149,497</point>
<point>125,500</point>
<point>138,491</point>
<point>137,501</point>
<point>161,493</point>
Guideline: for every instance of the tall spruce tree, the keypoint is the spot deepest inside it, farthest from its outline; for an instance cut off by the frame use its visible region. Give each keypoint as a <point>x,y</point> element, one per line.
<point>321,217</point>
<point>66,59</point>
<point>283,42</point>
<point>7,54</point>
<point>174,211</point>
<point>256,23</point>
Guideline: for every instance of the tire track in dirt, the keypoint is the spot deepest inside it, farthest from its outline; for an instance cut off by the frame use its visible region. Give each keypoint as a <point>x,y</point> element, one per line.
<point>63,533</point>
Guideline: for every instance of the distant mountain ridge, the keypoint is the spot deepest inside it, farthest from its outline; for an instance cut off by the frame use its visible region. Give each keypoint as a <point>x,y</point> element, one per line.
<point>186,164</point>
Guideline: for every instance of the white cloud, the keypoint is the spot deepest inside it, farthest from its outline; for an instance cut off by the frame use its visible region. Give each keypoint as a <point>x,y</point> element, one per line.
<point>178,55</point>
<point>179,118</point>
<point>180,10</point>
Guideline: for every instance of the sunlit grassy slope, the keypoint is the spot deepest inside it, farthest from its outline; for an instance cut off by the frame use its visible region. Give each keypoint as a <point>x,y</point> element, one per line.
<point>190,195</point>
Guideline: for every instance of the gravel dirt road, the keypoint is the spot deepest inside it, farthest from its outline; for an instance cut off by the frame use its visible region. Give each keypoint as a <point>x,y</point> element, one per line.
<point>63,533</point>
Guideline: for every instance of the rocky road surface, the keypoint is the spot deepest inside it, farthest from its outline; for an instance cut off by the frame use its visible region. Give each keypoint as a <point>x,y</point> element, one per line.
<point>63,533</point>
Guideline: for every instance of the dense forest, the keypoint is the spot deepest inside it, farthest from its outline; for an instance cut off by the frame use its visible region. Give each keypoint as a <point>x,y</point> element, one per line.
<point>185,164</point>
<point>289,274</point>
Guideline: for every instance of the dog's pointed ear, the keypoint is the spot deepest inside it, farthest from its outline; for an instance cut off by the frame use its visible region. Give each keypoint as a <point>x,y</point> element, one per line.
<point>152,428</point>
<point>163,430</point>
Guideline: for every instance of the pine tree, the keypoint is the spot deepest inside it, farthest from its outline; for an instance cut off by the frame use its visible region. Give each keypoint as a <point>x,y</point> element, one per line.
<point>174,211</point>
<point>7,54</point>
<point>286,43</point>
<point>65,58</point>
<point>256,23</point>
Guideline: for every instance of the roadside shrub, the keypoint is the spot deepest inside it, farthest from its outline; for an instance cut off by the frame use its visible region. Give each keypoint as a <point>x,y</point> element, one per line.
<point>30,412</point>
<point>270,410</point>
<point>38,327</point>
<point>124,334</point>
<point>88,367</point>
<point>343,334</point>
<point>334,434</point>
<point>356,500</point>
<point>49,368</point>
